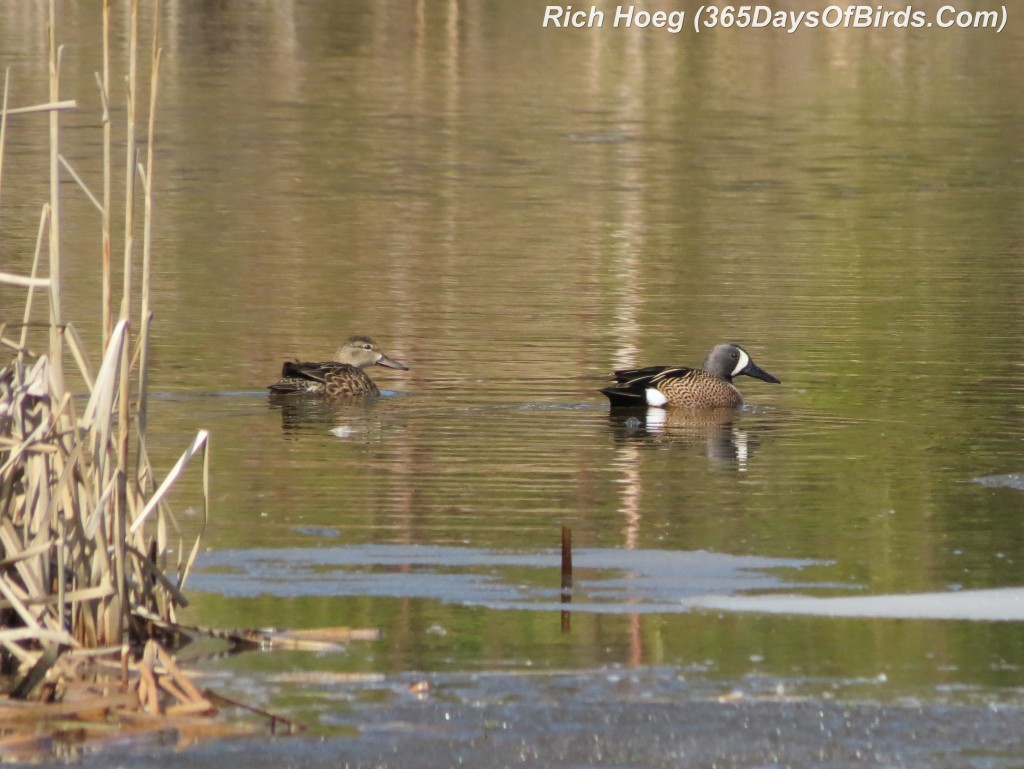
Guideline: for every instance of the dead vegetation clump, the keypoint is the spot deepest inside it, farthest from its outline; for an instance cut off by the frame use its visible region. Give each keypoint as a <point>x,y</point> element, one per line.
<point>92,571</point>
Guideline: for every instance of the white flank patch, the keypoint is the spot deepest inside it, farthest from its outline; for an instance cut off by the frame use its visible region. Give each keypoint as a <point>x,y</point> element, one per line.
<point>744,362</point>
<point>655,397</point>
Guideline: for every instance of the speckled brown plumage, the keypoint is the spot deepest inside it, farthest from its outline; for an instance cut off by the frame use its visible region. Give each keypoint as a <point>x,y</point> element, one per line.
<point>680,386</point>
<point>341,378</point>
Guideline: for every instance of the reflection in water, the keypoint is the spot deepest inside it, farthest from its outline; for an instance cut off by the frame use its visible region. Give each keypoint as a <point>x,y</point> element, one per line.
<point>613,581</point>
<point>627,465</point>
<point>718,431</point>
<point>1007,480</point>
<point>999,605</point>
<point>351,418</point>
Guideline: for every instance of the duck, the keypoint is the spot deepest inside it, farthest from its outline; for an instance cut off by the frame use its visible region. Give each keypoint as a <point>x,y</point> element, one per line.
<point>709,387</point>
<point>343,377</point>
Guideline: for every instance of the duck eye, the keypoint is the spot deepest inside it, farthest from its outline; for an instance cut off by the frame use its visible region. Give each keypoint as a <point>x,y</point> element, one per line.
<point>367,346</point>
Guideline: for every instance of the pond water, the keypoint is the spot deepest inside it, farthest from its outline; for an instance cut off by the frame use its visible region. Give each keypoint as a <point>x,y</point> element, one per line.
<point>513,213</point>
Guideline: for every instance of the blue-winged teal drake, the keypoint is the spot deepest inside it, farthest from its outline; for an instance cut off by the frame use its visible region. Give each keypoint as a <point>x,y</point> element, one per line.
<point>707,388</point>
<point>340,378</point>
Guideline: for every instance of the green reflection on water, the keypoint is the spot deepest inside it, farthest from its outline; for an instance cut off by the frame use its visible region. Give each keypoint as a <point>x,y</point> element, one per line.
<point>879,659</point>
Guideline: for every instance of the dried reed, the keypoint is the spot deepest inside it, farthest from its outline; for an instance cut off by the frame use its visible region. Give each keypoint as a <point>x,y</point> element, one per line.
<point>89,579</point>
<point>86,557</point>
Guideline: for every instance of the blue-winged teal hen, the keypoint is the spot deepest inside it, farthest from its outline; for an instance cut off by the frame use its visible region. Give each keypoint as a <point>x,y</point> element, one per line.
<point>340,378</point>
<point>707,388</point>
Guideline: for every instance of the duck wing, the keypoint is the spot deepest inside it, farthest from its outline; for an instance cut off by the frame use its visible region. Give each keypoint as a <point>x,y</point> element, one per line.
<point>314,372</point>
<point>306,376</point>
<point>631,385</point>
<point>629,374</point>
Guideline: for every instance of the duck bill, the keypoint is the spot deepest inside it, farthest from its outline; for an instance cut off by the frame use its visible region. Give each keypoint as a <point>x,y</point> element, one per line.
<point>391,363</point>
<point>758,373</point>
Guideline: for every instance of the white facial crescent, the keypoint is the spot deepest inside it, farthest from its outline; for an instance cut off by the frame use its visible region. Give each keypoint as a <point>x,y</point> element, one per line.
<point>743,362</point>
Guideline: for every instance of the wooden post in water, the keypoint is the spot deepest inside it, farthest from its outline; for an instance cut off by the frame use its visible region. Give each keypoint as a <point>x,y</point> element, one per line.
<point>566,576</point>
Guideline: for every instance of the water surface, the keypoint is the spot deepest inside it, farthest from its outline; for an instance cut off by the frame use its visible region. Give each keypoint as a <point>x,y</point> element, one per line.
<point>514,214</point>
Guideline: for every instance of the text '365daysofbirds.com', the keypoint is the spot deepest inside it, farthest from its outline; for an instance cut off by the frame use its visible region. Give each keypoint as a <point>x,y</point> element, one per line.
<point>713,16</point>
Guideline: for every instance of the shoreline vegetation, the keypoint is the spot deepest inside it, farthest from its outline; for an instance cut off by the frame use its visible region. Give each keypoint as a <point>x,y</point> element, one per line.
<point>91,574</point>
<point>92,568</point>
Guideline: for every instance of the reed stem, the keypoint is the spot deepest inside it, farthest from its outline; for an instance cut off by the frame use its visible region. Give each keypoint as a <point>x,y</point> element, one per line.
<point>147,239</point>
<point>104,84</point>
<point>3,123</point>
<point>56,321</point>
<point>77,564</point>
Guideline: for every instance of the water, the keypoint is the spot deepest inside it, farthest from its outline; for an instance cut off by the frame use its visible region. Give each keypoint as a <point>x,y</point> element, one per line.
<point>514,214</point>
<point>627,581</point>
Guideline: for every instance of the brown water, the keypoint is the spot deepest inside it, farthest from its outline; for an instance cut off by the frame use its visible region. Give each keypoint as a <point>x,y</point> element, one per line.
<point>515,212</point>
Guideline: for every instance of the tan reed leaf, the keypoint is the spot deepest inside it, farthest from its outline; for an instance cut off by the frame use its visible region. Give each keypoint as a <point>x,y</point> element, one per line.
<point>53,106</point>
<point>78,353</point>
<point>198,444</point>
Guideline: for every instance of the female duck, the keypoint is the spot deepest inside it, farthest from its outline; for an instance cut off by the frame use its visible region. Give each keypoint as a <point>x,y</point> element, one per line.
<point>340,378</point>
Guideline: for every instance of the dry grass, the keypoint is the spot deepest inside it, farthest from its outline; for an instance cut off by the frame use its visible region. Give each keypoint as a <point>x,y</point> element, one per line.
<point>73,519</point>
<point>89,565</point>
<point>91,569</point>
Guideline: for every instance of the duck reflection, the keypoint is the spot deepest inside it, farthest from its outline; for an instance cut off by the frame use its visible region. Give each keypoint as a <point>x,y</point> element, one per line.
<point>725,440</point>
<point>310,414</point>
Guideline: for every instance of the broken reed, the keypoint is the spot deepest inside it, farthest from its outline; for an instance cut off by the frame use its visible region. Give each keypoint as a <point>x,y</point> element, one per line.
<point>86,557</point>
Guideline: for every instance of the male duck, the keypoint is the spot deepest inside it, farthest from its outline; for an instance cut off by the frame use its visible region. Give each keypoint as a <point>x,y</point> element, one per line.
<point>341,378</point>
<point>707,388</point>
